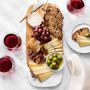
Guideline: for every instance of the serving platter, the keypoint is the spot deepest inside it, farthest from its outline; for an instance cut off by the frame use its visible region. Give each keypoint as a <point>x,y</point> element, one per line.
<point>71,28</point>
<point>61,77</point>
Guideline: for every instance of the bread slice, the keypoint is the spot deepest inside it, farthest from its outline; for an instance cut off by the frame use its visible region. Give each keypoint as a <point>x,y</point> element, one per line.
<point>54,21</point>
<point>44,76</point>
<point>82,32</point>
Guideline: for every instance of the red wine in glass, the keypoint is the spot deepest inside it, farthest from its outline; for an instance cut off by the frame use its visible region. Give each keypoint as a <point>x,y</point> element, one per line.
<point>75,6</point>
<point>12,41</point>
<point>6,64</point>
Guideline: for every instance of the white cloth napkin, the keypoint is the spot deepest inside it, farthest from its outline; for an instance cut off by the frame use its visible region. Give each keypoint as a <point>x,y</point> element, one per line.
<point>86,85</point>
<point>77,71</point>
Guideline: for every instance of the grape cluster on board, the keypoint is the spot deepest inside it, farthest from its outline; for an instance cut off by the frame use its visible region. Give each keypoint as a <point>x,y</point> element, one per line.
<point>41,34</point>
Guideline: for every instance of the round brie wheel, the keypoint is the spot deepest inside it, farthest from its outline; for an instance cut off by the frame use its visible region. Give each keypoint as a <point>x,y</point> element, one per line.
<point>34,19</point>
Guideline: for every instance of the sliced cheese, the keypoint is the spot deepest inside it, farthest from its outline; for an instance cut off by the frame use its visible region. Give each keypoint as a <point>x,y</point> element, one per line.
<point>55,50</point>
<point>40,71</point>
<point>36,65</point>
<point>44,76</point>
<point>60,45</point>
<point>48,46</point>
<point>84,42</point>
<point>61,53</point>
<point>39,68</point>
<point>58,50</point>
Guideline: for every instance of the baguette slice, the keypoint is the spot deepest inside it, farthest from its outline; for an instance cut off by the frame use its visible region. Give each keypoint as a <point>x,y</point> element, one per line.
<point>44,76</point>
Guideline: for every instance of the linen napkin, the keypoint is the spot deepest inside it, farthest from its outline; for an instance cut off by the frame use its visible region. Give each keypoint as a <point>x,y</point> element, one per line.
<point>87,79</point>
<point>77,71</point>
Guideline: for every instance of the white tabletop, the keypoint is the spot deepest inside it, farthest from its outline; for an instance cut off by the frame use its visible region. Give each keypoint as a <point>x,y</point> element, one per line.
<point>11,12</point>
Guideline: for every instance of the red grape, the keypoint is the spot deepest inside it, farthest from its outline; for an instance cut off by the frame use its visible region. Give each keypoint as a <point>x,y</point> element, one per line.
<point>46,38</point>
<point>43,33</point>
<point>42,37</point>
<point>40,30</point>
<point>44,30</point>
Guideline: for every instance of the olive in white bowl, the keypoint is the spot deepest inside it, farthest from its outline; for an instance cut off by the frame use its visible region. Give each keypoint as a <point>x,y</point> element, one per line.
<point>55,61</point>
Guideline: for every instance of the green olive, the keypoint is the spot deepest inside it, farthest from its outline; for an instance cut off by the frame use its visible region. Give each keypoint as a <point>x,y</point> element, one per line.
<point>50,58</point>
<point>48,62</point>
<point>51,66</point>
<point>59,57</point>
<point>54,55</point>
<point>55,59</point>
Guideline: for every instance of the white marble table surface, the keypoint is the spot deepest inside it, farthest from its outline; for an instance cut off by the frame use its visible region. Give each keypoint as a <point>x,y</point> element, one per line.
<point>11,12</point>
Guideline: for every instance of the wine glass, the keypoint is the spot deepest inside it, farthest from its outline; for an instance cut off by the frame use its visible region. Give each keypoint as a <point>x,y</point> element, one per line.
<point>75,6</point>
<point>7,65</point>
<point>12,41</point>
<point>78,8</point>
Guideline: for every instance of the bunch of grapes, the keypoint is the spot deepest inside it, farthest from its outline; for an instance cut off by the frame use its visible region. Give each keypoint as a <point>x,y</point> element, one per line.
<point>41,34</point>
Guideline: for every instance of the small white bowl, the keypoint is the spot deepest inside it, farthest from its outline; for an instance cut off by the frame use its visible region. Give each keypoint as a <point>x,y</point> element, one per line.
<point>61,67</point>
<point>34,19</point>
